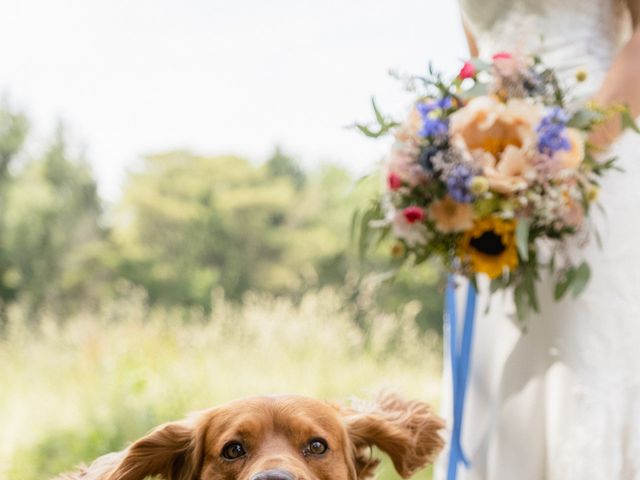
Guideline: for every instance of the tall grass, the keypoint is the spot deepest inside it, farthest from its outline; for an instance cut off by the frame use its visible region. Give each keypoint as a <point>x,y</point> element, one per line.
<point>74,390</point>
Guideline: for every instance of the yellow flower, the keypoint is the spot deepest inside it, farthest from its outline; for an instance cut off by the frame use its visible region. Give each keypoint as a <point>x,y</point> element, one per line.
<point>593,192</point>
<point>398,250</point>
<point>489,247</point>
<point>479,185</point>
<point>451,216</point>
<point>581,75</point>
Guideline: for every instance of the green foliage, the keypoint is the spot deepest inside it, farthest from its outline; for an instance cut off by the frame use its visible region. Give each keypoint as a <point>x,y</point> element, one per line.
<point>51,228</point>
<point>384,124</point>
<point>522,238</point>
<point>282,165</point>
<point>187,224</point>
<point>574,279</point>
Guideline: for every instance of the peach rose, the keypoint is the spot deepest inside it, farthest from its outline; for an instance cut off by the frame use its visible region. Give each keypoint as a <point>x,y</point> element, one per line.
<point>451,216</point>
<point>573,157</point>
<point>501,138</point>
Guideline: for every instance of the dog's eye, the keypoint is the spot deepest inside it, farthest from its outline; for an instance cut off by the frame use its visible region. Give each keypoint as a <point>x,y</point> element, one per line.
<point>233,451</point>
<point>317,446</point>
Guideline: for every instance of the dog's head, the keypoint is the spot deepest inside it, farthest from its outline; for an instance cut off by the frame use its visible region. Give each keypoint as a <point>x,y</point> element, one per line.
<point>286,438</point>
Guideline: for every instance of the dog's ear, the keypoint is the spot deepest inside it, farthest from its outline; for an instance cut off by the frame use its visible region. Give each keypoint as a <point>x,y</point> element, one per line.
<point>172,452</point>
<point>408,431</point>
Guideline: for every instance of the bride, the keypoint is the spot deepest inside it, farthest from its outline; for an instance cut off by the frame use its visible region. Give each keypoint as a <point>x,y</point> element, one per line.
<point>562,400</point>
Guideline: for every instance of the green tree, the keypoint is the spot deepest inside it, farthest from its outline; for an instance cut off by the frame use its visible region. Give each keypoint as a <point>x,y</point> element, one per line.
<point>13,131</point>
<point>52,235</point>
<point>188,224</point>
<point>280,164</point>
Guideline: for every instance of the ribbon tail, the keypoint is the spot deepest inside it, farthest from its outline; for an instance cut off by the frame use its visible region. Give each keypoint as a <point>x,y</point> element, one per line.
<point>460,363</point>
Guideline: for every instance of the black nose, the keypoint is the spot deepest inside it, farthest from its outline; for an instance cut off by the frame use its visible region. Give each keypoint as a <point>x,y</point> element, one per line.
<point>276,474</point>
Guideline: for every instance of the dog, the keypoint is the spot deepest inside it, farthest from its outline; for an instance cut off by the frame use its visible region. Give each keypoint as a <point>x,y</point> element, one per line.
<point>279,438</point>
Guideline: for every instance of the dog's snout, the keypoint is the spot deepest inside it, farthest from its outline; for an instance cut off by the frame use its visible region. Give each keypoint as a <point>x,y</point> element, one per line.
<point>275,474</point>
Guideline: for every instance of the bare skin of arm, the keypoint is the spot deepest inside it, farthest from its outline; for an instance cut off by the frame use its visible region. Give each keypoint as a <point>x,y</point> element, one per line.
<point>621,84</point>
<point>473,47</point>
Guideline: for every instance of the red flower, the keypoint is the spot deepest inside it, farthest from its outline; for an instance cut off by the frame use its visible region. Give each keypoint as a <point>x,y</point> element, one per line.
<point>501,56</point>
<point>394,181</point>
<point>467,71</point>
<point>413,214</point>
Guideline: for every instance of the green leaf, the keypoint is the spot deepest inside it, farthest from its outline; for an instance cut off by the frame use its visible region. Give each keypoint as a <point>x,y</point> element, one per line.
<point>562,285</point>
<point>368,132</point>
<point>522,304</point>
<point>363,240</point>
<point>480,65</point>
<point>379,116</point>
<point>522,238</point>
<point>580,278</point>
<point>585,119</point>
<point>530,287</point>
<point>628,121</point>
<point>477,90</point>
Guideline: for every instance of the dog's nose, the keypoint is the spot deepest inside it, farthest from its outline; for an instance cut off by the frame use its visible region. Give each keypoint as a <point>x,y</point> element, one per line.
<point>275,474</point>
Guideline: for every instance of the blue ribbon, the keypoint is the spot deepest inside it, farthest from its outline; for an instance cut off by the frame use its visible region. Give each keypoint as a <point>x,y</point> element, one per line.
<point>460,351</point>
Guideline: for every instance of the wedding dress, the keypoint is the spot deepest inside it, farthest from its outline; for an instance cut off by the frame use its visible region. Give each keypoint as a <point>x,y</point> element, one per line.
<point>561,401</point>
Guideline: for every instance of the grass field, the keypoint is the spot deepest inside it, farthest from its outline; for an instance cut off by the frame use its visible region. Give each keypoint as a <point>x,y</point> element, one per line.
<point>72,391</point>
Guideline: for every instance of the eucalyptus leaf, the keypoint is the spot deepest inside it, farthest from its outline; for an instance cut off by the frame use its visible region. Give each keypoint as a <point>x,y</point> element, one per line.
<point>563,284</point>
<point>480,65</point>
<point>530,288</point>
<point>522,238</point>
<point>522,304</point>
<point>580,278</point>
<point>585,118</point>
<point>477,90</point>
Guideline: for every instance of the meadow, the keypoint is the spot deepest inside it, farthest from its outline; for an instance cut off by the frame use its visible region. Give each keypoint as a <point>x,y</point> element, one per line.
<point>77,388</point>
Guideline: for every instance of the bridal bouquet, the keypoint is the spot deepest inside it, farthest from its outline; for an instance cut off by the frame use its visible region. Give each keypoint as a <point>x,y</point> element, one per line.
<point>484,168</point>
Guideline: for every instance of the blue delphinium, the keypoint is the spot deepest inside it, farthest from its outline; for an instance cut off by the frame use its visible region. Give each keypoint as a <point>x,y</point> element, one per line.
<point>458,183</point>
<point>551,132</point>
<point>433,125</point>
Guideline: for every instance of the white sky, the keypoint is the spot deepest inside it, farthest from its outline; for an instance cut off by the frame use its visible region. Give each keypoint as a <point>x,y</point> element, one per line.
<point>218,76</point>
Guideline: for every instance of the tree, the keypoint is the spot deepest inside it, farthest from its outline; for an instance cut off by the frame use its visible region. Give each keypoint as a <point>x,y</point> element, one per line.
<point>52,231</point>
<point>13,131</point>
<point>283,165</point>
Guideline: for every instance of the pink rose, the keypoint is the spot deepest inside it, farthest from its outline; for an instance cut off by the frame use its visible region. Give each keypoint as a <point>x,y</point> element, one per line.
<point>467,71</point>
<point>413,214</point>
<point>394,182</point>
<point>509,65</point>
<point>502,56</point>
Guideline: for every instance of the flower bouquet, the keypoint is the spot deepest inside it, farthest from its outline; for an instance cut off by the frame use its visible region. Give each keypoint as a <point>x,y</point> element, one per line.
<point>487,166</point>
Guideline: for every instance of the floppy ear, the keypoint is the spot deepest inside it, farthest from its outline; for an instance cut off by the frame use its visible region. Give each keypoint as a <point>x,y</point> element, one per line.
<point>406,430</point>
<point>172,452</point>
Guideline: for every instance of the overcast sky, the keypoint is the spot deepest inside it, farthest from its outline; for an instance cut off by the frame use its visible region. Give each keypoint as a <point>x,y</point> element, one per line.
<point>131,77</point>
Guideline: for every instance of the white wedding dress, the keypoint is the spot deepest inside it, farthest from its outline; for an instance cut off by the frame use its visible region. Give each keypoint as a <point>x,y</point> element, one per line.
<point>562,400</point>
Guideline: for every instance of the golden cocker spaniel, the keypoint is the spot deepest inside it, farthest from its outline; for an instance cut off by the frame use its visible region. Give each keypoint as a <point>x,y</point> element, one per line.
<point>279,438</point>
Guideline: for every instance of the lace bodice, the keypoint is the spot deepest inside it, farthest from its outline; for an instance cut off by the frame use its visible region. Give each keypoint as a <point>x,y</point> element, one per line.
<point>568,34</point>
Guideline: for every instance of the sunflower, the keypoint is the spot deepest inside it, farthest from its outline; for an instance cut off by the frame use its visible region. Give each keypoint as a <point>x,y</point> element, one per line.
<point>490,246</point>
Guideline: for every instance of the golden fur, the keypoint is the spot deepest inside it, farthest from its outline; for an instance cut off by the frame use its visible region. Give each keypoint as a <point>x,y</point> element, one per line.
<point>275,432</point>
